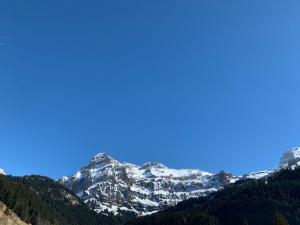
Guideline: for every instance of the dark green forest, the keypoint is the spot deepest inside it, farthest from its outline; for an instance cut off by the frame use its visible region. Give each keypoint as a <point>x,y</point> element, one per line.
<point>273,200</point>
<point>41,201</point>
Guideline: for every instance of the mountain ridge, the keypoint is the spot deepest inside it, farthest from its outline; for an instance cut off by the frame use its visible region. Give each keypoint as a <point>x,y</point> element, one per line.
<point>106,184</point>
<point>248,201</point>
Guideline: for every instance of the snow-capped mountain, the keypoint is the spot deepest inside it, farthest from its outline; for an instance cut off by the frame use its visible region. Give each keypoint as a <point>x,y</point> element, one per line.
<point>2,171</point>
<point>290,159</point>
<point>107,184</point>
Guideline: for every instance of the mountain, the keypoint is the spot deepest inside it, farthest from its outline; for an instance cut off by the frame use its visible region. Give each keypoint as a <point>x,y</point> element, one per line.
<point>106,184</point>
<point>40,200</point>
<point>126,190</point>
<point>248,201</point>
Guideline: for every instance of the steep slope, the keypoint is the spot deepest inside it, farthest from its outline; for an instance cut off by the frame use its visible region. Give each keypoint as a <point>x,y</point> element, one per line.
<point>106,184</point>
<point>8,217</point>
<point>41,201</point>
<point>254,201</point>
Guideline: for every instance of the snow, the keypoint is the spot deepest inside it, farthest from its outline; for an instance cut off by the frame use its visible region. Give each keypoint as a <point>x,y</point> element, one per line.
<point>290,159</point>
<point>149,213</point>
<point>64,178</point>
<point>234,179</point>
<point>259,174</point>
<point>149,165</point>
<point>100,155</point>
<point>166,172</point>
<point>2,171</point>
<point>145,201</point>
<point>78,175</point>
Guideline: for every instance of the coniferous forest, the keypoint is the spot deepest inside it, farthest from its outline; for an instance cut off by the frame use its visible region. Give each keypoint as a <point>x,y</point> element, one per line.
<point>40,200</point>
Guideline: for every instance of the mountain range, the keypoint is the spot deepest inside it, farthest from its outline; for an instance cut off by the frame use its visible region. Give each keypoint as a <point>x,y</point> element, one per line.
<point>272,200</point>
<point>107,185</point>
<point>118,193</point>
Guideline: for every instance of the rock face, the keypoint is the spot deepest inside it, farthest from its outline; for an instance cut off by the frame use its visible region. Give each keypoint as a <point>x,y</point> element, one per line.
<point>8,217</point>
<point>107,184</point>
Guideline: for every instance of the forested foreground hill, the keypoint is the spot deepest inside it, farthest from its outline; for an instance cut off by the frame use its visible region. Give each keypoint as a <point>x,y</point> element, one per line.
<point>251,202</point>
<point>41,201</point>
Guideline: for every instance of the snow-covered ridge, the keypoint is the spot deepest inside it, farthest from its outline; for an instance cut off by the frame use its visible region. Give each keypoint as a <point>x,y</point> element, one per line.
<point>258,174</point>
<point>109,185</point>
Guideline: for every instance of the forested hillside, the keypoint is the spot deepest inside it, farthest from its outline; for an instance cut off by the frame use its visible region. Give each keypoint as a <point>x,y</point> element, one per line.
<point>41,201</point>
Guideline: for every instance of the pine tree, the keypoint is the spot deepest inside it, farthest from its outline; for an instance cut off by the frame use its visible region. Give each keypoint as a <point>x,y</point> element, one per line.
<point>280,220</point>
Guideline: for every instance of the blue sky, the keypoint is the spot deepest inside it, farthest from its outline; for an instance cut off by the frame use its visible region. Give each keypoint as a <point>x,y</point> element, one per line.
<point>192,84</point>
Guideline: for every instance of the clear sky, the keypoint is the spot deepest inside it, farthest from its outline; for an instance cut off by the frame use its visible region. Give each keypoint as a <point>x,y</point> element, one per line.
<point>209,84</point>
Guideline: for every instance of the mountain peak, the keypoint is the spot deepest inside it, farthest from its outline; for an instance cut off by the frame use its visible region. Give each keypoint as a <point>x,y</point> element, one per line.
<point>101,155</point>
<point>290,159</point>
<point>102,159</point>
<point>2,171</point>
